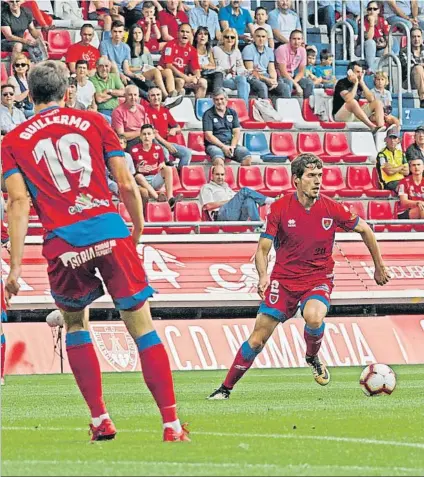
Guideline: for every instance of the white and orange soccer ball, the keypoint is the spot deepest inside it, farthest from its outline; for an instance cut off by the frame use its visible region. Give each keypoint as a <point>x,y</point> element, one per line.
<point>377,379</point>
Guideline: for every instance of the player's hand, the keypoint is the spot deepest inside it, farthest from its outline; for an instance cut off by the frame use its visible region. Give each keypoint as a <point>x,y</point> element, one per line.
<point>262,286</point>
<point>381,276</point>
<point>12,285</point>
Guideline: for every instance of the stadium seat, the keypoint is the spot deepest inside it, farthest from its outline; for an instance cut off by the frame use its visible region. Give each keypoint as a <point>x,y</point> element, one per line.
<point>192,180</point>
<point>357,207</point>
<point>59,41</point>
<point>403,227</point>
<point>157,212</point>
<point>277,180</point>
<point>309,142</point>
<point>123,212</point>
<point>310,116</point>
<point>250,176</point>
<point>333,182</point>
<point>362,144</point>
<point>407,139</point>
<point>376,186</point>
<point>291,112</point>
<point>184,113</point>
<point>270,124</point>
<point>196,142</point>
<point>358,178</point>
<point>379,210</point>
<point>176,183</point>
<point>336,145</point>
<point>190,212</point>
<point>177,139</point>
<point>256,143</point>
<point>202,105</point>
<point>4,75</point>
<point>229,177</point>
<point>282,144</point>
<point>246,122</point>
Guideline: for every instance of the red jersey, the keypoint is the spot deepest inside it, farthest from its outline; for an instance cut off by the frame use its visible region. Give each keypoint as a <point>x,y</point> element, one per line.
<point>153,44</point>
<point>173,22</point>
<point>62,154</point>
<point>161,119</point>
<point>147,162</point>
<point>184,58</point>
<point>304,239</point>
<point>78,51</point>
<point>414,191</point>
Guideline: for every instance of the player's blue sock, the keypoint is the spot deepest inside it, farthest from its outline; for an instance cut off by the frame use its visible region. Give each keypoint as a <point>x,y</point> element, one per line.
<point>242,362</point>
<point>313,338</point>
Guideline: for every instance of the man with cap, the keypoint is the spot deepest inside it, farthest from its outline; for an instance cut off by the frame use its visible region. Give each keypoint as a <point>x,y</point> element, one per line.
<point>416,150</point>
<point>392,165</point>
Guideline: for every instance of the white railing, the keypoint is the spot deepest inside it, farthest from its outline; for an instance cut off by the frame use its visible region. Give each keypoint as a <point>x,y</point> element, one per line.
<point>408,49</point>
<point>333,42</point>
<point>392,56</point>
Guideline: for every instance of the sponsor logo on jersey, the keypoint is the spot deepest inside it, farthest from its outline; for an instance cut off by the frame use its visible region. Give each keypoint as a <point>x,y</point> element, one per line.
<point>76,259</point>
<point>87,201</point>
<point>291,223</point>
<point>274,294</point>
<point>327,223</point>
<point>179,63</point>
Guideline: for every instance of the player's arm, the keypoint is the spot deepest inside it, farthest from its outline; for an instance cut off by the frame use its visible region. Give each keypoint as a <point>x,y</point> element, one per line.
<point>17,215</point>
<point>261,262</point>
<point>381,275</point>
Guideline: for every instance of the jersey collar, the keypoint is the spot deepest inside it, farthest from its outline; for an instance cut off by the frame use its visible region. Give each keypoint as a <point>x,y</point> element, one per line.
<point>50,108</point>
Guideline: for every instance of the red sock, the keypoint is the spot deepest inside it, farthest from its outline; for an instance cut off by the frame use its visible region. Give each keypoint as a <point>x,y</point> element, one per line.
<point>158,377</point>
<point>242,362</point>
<point>313,338</point>
<point>3,356</point>
<point>86,368</point>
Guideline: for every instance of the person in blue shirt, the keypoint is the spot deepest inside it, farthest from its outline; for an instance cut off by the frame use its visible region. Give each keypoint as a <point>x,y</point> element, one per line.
<point>204,16</point>
<point>233,16</point>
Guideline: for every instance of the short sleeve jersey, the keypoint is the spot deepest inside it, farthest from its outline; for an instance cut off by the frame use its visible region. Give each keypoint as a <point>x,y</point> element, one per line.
<point>413,191</point>
<point>304,239</point>
<point>184,58</point>
<point>61,154</point>
<point>147,162</point>
<point>78,51</point>
<point>161,119</point>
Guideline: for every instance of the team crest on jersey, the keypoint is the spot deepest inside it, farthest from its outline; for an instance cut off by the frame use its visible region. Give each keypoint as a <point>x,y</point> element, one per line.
<point>327,223</point>
<point>116,346</point>
<point>230,118</point>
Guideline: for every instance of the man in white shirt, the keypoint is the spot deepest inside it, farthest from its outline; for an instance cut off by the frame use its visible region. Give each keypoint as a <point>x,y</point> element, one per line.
<point>85,88</point>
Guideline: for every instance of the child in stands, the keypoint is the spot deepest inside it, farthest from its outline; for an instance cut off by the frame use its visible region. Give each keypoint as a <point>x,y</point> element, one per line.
<point>381,80</point>
<point>325,69</point>
<point>310,70</point>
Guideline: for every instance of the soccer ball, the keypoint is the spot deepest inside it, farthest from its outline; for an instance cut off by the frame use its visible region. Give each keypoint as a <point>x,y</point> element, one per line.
<point>377,379</point>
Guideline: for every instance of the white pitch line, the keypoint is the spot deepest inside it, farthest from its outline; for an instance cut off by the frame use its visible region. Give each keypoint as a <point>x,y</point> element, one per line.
<point>352,440</point>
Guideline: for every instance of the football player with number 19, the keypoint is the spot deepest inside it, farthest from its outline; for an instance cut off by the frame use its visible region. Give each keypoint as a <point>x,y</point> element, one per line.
<point>302,227</point>
<point>59,156</point>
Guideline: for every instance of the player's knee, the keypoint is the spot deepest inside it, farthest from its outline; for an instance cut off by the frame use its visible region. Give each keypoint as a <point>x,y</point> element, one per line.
<point>313,318</point>
<point>257,342</point>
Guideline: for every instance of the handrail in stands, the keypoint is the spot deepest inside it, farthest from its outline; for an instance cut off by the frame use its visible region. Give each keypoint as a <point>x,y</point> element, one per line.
<point>362,32</point>
<point>389,56</point>
<point>408,49</point>
<point>305,21</point>
<point>333,42</point>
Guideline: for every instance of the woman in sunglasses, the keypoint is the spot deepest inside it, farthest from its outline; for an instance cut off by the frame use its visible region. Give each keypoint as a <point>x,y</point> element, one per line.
<point>375,35</point>
<point>202,43</point>
<point>19,82</point>
<point>228,59</point>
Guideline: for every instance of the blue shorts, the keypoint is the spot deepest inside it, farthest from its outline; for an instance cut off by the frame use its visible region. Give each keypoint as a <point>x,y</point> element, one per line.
<point>156,181</point>
<point>240,153</point>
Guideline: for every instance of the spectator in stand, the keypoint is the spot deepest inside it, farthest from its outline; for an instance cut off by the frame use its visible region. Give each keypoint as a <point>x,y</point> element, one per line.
<point>376,33</point>
<point>85,88</point>
<point>228,59</point>
<point>416,150</point>
<point>381,80</point>
<point>166,129</point>
<point>203,16</point>
<point>202,43</point>
<point>400,11</point>
<point>151,172</point>
<point>117,51</point>
<point>71,99</point>
<point>99,10</point>
<point>392,165</point>
<point>261,18</point>
<point>221,127</point>
<point>324,71</point>
<point>42,12</point>
<point>411,192</point>
<point>129,116</point>
<point>171,19</point>
<point>113,186</point>
<point>83,50</point>
<point>234,16</point>
<point>291,62</point>
<point>10,115</point>
<point>151,28</point>
<point>259,61</point>
<point>19,82</point>
<point>182,59</point>
<point>15,21</point>
<point>346,107</point>
<point>417,63</point>
<point>310,70</point>
<point>221,203</point>
<point>283,21</point>
<point>130,9</point>
<point>108,88</point>
<point>353,11</point>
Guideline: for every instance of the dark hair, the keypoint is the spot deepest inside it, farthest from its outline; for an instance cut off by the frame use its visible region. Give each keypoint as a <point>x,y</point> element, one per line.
<point>122,137</point>
<point>117,24</point>
<point>310,52</point>
<point>48,81</point>
<point>416,29</point>
<point>81,62</point>
<point>352,65</point>
<point>4,86</point>
<point>325,54</point>
<point>72,81</point>
<point>260,29</point>
<point>183,25</point>
<point>373,1</point>
<point>294,33</point>
<point>260,8</point>
<point>146,126</point>
<point>87,25</point>
<point>149,4</point>
<point>303,162</point>
<point>196,38</point>
<point>131,42</point>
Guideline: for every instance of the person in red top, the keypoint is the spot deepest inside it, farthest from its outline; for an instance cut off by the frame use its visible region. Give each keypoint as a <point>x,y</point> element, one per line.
<point>183,60</point>
<point>59,157</point>
<point>166,129</point>
<point>411,192</point>
<point>151,172</point>
<point>83,50</point>
<point>171,18</point>
<point>151,28</point>
<point>302,226</point>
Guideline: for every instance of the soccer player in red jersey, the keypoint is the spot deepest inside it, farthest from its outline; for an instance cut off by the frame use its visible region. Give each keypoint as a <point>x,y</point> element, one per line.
<point>302,227</point>
<point>59,157</point>
<point>411,192</point>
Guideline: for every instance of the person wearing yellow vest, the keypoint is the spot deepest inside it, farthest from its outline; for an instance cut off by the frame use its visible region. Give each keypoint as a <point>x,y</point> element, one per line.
<point>392,165</point>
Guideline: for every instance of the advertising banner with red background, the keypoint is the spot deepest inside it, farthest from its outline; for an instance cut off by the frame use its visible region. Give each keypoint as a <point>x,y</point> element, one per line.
<point>212,344</point>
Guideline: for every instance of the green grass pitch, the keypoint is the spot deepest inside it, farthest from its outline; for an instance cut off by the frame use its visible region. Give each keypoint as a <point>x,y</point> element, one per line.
<point>277,422</point>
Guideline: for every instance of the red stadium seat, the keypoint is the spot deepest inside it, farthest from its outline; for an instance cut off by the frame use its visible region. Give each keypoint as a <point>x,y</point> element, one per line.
<point>192,180</point>
<point>4,75</point>
<point>177,139</point>
<point>190,212</point>
<point>358,178</point>
<point>357,207</point>
<point>379,210</point>
<point>196,142</point>
<point>176,183</point>
<point>250,176</point>
<point>310,116</point>
<point>59,41</point>
<point>403,227</point>
<point>157,212</point>
<point>376,185</point>
<point>277,180</point>
<point>229,177</point>
<point>335,144</point>
<point>309,142</point>
<point>270,124</point>
<point>123,212</point>
<point>282,144</point>
<point>240,107</point>
<point>332,181</point>
<point>407,139</point>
